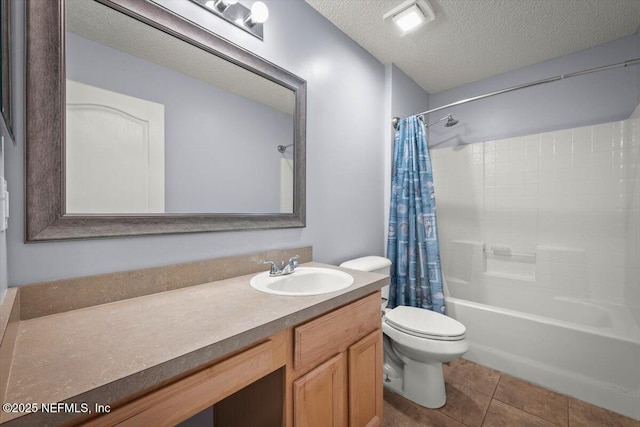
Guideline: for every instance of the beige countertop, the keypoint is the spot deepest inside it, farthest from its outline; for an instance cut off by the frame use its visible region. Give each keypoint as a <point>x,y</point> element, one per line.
<point>105,353</point>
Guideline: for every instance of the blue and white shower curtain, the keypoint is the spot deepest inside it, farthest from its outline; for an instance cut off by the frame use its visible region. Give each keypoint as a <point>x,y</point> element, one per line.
<point>412,245</point>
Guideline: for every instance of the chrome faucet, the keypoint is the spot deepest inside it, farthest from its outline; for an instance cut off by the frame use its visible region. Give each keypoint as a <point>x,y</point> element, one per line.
<point>284,269</point>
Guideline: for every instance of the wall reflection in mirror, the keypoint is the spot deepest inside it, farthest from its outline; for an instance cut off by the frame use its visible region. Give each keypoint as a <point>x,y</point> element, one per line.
<point>155,125</point>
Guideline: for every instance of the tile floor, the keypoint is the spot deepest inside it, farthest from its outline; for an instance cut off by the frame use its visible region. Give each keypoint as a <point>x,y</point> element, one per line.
<point>478,396</point>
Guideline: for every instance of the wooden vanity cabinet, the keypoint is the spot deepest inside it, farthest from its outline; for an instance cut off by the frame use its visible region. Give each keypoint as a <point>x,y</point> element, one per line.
<point>346,389</point>
<point>325,372</point>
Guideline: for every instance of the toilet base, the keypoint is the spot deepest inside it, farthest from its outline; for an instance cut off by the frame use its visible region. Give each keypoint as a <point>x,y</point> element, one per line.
<point>420,382</point>
<point>394,384</point>
<point>423,383</point>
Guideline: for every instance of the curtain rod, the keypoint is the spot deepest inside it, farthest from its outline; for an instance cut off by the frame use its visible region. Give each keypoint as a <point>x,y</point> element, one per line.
<point>635,61</point>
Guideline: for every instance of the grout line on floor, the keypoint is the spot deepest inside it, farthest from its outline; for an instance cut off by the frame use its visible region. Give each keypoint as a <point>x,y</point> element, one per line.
<point>497,385</point>
<point>484,416</point>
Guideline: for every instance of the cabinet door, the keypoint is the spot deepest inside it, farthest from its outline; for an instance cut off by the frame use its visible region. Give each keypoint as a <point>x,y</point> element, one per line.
<point>365,381</point>
<point>320,397</point>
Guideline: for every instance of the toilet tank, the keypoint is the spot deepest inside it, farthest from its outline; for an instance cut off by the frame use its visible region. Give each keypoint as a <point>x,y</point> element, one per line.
<point>374,264</point>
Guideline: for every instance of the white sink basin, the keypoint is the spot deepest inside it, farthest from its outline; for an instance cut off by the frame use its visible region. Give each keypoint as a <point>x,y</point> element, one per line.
<point>304,281</point>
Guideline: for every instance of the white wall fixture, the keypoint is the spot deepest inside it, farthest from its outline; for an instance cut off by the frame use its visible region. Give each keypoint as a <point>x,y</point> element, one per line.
<point>250,20</point>
<point>410,15</point>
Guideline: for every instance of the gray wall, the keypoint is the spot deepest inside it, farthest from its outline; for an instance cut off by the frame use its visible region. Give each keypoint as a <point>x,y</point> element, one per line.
<point>590,99</point>
<point>344,159</point>
<point>208,144</point>
<point>407,97</point>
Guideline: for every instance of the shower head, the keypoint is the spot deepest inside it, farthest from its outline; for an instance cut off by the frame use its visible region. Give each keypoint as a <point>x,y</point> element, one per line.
<point>450,121</point>
<point>283,148</point>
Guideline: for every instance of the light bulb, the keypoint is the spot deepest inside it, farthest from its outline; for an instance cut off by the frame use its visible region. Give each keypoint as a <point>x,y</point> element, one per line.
<point>259,12</point>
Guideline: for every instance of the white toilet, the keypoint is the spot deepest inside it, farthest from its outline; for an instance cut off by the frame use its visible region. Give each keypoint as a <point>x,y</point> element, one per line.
<point>416,344</point>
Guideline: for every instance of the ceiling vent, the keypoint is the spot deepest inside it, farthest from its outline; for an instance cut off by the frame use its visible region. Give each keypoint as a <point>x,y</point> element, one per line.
<point>410,15</point>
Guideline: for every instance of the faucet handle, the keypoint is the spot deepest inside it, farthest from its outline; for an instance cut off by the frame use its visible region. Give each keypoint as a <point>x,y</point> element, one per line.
<point>274,266</point>
<point>293,263</point>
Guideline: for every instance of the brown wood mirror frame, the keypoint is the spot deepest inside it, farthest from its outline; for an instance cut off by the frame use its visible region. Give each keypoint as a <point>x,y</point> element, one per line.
<point>46,218</point>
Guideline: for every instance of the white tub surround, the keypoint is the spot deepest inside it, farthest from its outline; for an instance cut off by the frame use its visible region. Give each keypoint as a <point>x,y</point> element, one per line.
<point>540,247</point>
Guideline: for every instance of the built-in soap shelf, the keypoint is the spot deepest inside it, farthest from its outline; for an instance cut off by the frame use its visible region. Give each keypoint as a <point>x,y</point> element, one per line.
<point>506,251</point>
<point>503,261</point>
<point>469,261</point>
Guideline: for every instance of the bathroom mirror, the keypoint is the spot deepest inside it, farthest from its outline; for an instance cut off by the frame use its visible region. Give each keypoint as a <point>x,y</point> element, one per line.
<point>140,122</point>
<point>5,65</point>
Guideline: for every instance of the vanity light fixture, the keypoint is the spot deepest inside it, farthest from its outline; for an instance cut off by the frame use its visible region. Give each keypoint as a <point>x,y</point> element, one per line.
<point>410,15</point>
<point>250,20</point>
<point>220,5</point>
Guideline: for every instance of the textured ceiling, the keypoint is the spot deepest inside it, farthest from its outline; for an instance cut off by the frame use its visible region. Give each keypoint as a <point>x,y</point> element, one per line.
<point>470,40</point>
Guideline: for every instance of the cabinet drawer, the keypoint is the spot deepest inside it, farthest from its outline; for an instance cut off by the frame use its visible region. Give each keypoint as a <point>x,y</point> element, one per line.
<point>321,338</point>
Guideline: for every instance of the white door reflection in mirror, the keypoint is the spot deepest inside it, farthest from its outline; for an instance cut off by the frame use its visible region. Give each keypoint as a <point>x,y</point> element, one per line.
<point>114,152</point>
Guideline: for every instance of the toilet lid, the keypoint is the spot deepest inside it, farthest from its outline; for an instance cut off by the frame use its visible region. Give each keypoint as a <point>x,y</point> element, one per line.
<point>425,323</point>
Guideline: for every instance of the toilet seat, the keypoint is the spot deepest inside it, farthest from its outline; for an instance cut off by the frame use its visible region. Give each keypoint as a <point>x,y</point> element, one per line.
<point>425,324</point>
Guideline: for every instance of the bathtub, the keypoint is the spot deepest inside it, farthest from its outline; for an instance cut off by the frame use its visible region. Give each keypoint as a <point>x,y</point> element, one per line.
<point>573,346</point>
